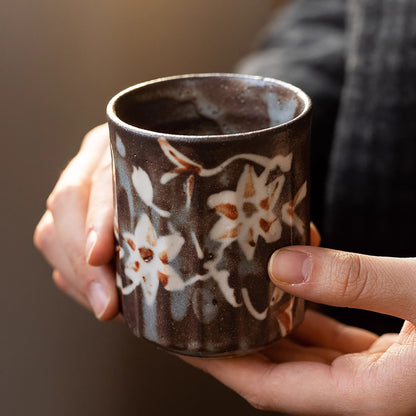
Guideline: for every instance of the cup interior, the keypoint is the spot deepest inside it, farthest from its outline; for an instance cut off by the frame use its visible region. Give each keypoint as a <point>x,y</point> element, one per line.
<point>209,105</point>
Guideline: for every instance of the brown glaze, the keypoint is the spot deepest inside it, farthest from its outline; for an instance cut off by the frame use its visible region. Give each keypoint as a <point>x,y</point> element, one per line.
<point>228,210</point>
<point>164,257</point>
<point>265,225</point>
<point>130,242</point>
<point>284,315</point>
<point>146,254</point>
<point>219,190</point>
<point>249,209</point>
<point>163,278</point>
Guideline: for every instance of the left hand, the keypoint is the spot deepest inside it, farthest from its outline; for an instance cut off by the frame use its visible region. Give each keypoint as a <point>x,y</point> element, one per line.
<point>75,233</point>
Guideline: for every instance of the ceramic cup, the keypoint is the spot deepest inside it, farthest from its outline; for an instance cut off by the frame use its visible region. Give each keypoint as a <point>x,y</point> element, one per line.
<point>211,176</point>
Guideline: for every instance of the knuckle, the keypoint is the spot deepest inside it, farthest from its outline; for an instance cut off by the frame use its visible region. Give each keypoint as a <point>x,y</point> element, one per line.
<point>42,234</point>
<point>98,134</point>
<point>38,237</point>
<point>351,275</point>
<point>60,281</point>
<point>51,201</point>
<point>55,198</point>
<point>72,183</point>
<point>64,193</point>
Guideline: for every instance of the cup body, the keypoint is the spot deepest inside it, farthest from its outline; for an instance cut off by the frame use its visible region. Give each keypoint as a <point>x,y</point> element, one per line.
<point>211,176</point>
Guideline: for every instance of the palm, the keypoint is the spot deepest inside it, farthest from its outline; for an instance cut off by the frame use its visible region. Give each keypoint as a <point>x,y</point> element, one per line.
<point>328,365</point>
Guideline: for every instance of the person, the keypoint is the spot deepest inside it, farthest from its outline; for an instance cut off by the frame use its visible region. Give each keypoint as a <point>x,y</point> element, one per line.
<point>357,61</point>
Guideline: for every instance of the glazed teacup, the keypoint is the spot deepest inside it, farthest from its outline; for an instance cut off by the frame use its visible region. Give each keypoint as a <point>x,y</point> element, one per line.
<point>211,176</point>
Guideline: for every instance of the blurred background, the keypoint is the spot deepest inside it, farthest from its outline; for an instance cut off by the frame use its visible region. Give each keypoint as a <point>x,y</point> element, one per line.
<point>60,63</point>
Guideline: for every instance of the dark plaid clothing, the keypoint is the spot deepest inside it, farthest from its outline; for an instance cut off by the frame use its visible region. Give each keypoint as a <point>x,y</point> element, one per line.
<point>357,61</point>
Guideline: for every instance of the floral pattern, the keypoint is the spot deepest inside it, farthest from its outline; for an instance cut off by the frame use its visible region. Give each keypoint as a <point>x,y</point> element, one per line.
<point>148,260</point>
<point>284,315</point>
<point>247,212</point>
<point>288,211</point>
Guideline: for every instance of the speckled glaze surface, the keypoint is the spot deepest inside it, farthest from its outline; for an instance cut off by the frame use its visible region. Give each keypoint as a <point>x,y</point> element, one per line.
<point>211,176</point>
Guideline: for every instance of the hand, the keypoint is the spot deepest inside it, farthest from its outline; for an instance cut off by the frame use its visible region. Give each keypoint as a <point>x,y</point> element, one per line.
<point>325,367</point>
<point>76,232</point>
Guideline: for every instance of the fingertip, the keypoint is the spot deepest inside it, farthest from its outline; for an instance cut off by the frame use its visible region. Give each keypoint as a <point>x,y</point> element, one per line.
<point>102,301</point>
<point>290,266</point>
<point>99,247</point>
<point>103,297</point>
<point>112,310</point>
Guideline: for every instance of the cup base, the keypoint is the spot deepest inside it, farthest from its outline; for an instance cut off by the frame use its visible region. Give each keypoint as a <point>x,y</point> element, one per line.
<point>224,354</point>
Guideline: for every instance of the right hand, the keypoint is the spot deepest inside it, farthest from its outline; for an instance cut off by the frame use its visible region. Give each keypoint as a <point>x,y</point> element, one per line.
<point>75,234</point>
<point>326,367</point>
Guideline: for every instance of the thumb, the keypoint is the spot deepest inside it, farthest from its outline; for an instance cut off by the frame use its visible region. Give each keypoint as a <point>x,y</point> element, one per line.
<point>380,284</point>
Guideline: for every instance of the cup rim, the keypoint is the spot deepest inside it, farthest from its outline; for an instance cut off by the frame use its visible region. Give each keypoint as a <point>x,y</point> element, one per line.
<point>111,114</point>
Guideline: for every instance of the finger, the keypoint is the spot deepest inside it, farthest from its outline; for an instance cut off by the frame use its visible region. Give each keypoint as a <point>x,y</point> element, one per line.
<point>68,201</point>
<point>88,157</point>
<point>99,224</point>
<point>63,284</point>
<point>321,331</point>
<point>46,240</point>
<point>69,280</point>
<point>77,175</point>
<point>279,387</point>
<point>379,284</point>
<point>408,333</point>
<point>95,142</point>
<point>383,343</point>
<point>315,236</point>
<point>97,283</point>
<point>287,350</point>
<point>68,204</point>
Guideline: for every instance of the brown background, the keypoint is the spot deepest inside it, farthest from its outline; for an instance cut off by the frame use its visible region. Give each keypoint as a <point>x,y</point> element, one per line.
<point>60,63</point>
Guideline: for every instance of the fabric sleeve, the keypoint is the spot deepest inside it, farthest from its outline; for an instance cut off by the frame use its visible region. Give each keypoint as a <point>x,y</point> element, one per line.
<point>305,45</point>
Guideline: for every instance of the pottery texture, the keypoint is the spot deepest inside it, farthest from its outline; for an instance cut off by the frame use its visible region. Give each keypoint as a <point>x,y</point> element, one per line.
<point>210,178</point>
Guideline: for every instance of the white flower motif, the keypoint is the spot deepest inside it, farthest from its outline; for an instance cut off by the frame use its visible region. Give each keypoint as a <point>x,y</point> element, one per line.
<point>284,316</point>
<point>247,212</point>
<point>148,260</point>
<point>144,188</point>
<point>120,146</point>
<point>288,210</point>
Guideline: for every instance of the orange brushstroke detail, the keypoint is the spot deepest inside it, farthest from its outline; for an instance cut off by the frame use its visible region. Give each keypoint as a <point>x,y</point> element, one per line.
<point>146,254</point>
<point>164,257</point>
<point>229,210</point>
<point>130,242</point>
<point>249,190</point>
<point>163,278</point>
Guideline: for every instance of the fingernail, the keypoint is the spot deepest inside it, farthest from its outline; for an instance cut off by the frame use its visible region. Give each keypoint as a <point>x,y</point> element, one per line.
<point>90,244</point>
<point>98,298</point>
<point>290,266</point>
